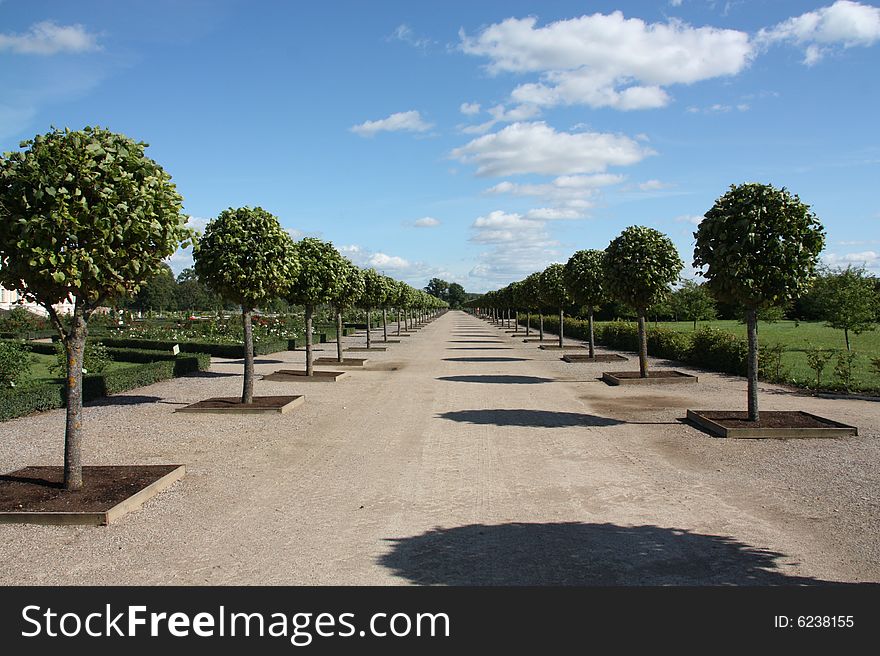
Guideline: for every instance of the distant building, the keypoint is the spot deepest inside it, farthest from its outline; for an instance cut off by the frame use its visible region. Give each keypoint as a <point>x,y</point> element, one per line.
<point>10,299</point>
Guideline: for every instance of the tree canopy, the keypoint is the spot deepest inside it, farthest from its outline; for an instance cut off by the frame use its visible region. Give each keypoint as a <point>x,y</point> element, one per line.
<point>640,265</point>
<point>584,277</point>
<point>321,273</point>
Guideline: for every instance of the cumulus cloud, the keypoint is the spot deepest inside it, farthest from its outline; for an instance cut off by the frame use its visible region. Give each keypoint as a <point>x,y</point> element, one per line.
<point>426,222</point>
<point>653,185</point>
<point>693,219</point>
<point>867,259</point>
<point>845,23</point>
<point>49,38</point>
<point>570,194</point>
<point>501,114</point>
<point>522,148</point>
<point>607,60</point>
<point>410,121</point>
<point>469,109</point>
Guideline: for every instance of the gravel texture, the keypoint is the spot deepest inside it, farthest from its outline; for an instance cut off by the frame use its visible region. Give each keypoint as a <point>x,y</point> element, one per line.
<point>461,456</point>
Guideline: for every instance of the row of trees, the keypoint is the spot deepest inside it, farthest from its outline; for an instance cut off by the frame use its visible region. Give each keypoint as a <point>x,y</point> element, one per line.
<point>86,215</point>
<point>452,293</point>
<point>757,247</point>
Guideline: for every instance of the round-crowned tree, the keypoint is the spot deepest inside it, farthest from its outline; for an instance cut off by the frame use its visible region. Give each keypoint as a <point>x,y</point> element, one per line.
<point>375,290</point>
<point>584,279</point>
<point>321,269</point>
<point>248,258</point>
<point>516,299</point>
<point>348,293</point>
<point>554,293</point>
<point>87,216</point>
<point>532,292</point>
<point>759,246</point>
<point>387,302</point>
<point>639,267</point>
<point>398,295</point>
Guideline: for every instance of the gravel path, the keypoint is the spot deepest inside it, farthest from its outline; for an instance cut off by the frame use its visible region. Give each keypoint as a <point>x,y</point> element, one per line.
<point>461,456</point>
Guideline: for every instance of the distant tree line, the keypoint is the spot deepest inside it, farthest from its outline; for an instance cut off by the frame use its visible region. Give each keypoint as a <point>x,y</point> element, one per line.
<point>451,293</point>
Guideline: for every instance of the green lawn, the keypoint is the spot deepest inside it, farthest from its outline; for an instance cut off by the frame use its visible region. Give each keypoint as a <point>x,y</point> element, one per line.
<point>40,367</point>
<point>796,337</point>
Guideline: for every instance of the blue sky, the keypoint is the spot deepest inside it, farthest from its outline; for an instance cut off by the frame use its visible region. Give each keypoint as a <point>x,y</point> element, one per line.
<point>474,141</point>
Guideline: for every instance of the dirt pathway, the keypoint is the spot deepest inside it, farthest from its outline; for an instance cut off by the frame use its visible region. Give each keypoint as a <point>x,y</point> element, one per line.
<point>461,455</point>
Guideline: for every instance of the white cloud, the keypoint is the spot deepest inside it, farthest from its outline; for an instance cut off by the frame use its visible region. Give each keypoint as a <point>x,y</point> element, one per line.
<point>426,222</point>
<point>868,259</point>
<point>845,23</point>
<point>404,33</point>
<point>410,121</point>
<point>675,3</point>
<point>469,109</point>
<point>571,195</point>
<point>554,213</point>
<point>608,60</point>
<point>653,185</point>
<point>693,219</point>
<point>522,148</point>
<point>383,261</point>
<point>719,108</point>
<point>500,114</point>
<point>49,38</point>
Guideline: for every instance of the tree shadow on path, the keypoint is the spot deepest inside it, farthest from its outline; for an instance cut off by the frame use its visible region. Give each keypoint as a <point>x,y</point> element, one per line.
<point>486,359</point>
<point>522,417</point>
<point>499,379</point>
<point>575,553</point>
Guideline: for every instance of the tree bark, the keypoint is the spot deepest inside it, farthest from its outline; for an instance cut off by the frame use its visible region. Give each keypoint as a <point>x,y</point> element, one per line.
<point>846,337</point>
<point>75,345</point>
<point>528,321</point>
<point>752,323</point>
<point>541,334</point>
<point>398,322</point>
<point>310,311</point>
<point>369,319</point>
<point>643,346</point>
<point>561,326</point>
<point>592,338</point>
<point>339,335</point>
<point>384,325</point>
<point>247,391</point>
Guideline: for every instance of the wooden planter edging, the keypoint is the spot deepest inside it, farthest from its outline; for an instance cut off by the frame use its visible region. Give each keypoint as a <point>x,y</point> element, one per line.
<point>668,377</point>
<point>273,405</point>
<point>346,362</point>
<point>299,376</point>
<point>557,347</point>
<point>97,518</point>
<point>366,348</point>
<point>599,357</point>
<point>824,428</point>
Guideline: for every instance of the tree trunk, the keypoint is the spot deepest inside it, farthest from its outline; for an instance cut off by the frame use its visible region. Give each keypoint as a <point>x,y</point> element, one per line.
<point>247,391</point>
<point>398,322</point>
<point>384,325</point>
<point>752,323</point>
<point>846,337</point>
<point>516,322</point>
<point>310,311</point>
<point>75,345</point>
<point>369,319</point>
<point>592,338</point>
<point>643,346</point>
<point>695,324</point>
<point>541,333</point>
<point>339,335</point>
<point>561,326</point>
<point>528,321</point>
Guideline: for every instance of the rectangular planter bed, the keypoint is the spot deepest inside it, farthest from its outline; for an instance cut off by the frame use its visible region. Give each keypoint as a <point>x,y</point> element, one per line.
<point>299,376</point>
<point>557,347</point>
<point>33,495</point>
<point>661,377</point>
<point>598,357</point>
<point>262,405</point>
<point>346,362</point>
<point>785,424</point>
<point>366,348</point>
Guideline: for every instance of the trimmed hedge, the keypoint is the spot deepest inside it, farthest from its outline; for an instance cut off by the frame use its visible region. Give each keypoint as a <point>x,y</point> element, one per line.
<point>30,334</point>
<point>47,396</point>
<point>214,349</point>
<point>708,348</point>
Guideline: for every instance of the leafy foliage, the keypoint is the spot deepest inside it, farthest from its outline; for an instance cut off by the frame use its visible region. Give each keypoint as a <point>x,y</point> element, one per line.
<point>848,300</point>
<point>376,290</point>
<point>552,285</point>
<point>584,277</point>
<point>14,363</point>
<point>759,244</point>
<point>692,302</point>
<point>95,360</point>
<point>246,256</point>
<point>321,273</point>
<point>640,265</point>
<point>86,214</point>
<point>351,286</point>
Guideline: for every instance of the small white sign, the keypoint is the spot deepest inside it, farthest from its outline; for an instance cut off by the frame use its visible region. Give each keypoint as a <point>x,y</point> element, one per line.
<point>175,349</point>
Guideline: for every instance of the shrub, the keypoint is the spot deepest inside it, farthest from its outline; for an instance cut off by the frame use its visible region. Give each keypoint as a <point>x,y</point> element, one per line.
<point>719,351</point>
<point>217,350</point>
<point>95,360</point>
<point>15,363</point>
<point>817,358</point>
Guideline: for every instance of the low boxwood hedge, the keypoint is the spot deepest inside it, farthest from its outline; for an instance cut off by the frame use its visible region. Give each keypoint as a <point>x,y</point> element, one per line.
<point>17,402</point>
<point>262,347</point>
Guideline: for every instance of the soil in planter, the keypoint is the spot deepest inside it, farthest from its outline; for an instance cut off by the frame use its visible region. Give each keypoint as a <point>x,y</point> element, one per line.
<point>630,375</point>
<point>230,402</point>
<point>768,419</point>
<point>41,489</point>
